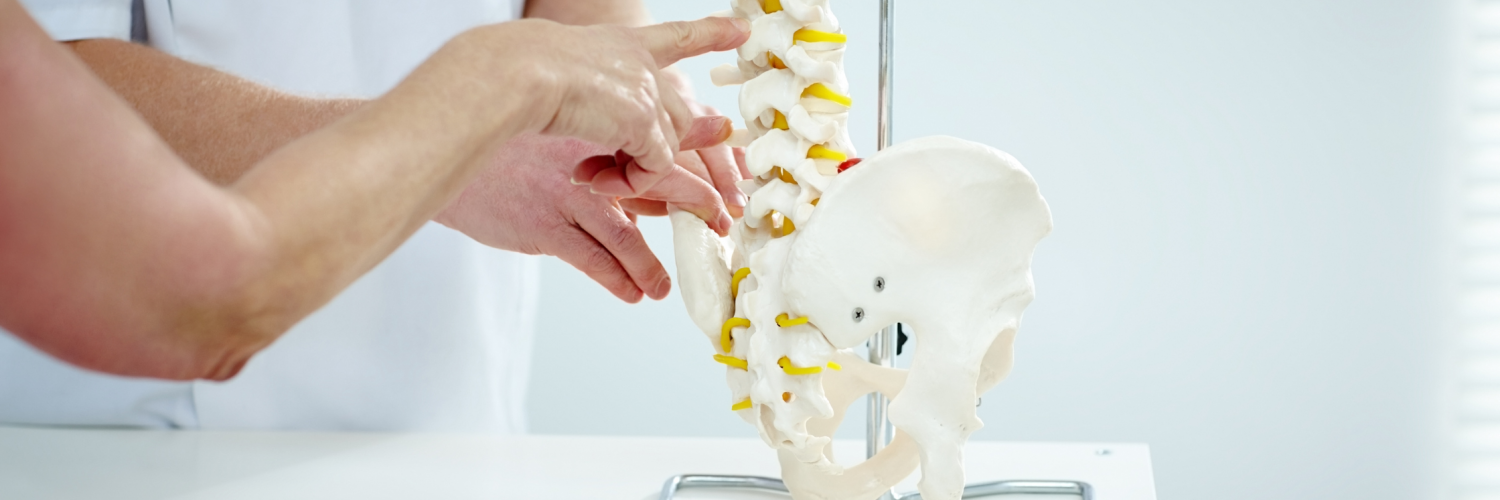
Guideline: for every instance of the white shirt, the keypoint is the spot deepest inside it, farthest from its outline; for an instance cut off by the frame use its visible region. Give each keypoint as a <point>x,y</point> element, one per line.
<point>436,338</point>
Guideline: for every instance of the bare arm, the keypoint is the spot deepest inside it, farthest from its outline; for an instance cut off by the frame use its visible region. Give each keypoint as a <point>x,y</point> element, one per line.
<point>221,125</point>
<point>586,12</point>
<point>110,243</point>
<point>218,123</point>
<point>115,256</point>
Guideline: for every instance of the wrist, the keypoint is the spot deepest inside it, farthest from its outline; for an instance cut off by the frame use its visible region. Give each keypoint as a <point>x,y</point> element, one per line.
<point>510,90</point>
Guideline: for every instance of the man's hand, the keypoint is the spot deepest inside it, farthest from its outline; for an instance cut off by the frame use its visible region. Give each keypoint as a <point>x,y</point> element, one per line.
<point>702,153</point>
<point>718,165</point>
<point>524,202</point>
<point>722,165</point>
<point>588,100</point>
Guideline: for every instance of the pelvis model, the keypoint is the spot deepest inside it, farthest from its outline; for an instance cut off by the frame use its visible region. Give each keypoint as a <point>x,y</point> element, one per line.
<point>936,233</point>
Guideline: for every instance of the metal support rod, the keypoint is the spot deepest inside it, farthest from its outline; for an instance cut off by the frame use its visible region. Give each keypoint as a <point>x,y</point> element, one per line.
<point>882,347</point>
<point>878,431</point>
<point>887,74</point>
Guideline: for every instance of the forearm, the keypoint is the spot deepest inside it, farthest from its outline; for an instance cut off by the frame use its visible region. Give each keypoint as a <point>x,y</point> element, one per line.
<point>220,124</point>
<point>105,238</point>
<point>383,171</point>
<point>114,256</point>
<point>586,12</point>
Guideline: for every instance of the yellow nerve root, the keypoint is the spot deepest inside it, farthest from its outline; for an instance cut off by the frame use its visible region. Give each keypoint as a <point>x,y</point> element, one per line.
<point>732,361</point>
<point>786,366</point>
<point>818,151</point>
<point>783,175</point>
<point>734,283</point>
<point>779,122</point>
<point>742,405</point>
<point>815,201</point>
<point>835,366</point>
<point>724,339</point>
<point>814,36</point>
<point>772,6</point>
<point>785,320</point>
<point>786,224</point>
<point>775,62</point>
<point>821,91</point>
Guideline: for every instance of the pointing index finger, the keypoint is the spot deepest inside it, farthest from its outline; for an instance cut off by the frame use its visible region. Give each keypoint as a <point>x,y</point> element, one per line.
<point>670,42</point>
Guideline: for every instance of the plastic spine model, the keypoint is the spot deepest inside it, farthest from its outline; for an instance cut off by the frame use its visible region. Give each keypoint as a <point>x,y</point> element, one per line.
<point>936,233</point>
<point>796,108</point>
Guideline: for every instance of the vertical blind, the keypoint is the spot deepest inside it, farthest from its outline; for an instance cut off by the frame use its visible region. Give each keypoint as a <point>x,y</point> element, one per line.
<point>1476,413</point>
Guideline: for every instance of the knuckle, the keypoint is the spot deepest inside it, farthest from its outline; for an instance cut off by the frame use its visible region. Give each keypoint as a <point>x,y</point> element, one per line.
<point>635,96</point>
<point>646,83</point>
<point>645,104</point>
<point>684,35</point>
<point>724,178</point>
<point>707,198</point>
<point>642,117</point>
<point>598,261</point>
<point>622,236</point>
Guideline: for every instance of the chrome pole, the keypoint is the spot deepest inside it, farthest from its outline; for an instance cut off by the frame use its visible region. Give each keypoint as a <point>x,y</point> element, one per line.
<point>887,74</point>
<point>882,347</point>
<point>878,431</point>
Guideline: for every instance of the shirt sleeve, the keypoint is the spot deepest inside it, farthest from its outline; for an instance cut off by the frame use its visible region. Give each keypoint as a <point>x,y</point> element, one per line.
<point>67,20</point>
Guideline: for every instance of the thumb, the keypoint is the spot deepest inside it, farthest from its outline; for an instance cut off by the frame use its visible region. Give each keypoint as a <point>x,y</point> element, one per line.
<point>670,42</point>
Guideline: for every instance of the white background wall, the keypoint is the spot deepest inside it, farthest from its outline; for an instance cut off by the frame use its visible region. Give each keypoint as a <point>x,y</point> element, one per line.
<point>1245,266</point>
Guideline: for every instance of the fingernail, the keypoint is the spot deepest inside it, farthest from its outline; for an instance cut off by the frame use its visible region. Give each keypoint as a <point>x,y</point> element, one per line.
<point>724,223</point>
<point>737,199</point>
<point>663,285</point>
<point>741,24</point>
<point>726,127</point>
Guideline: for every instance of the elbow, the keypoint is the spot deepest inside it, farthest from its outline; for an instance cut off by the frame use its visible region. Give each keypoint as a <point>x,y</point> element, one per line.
<point>211,343</point>
<point>204,305</point>
<point>191,289</point>
<point>142,332</point>
<point>143,352</point>
<point>224,307</point>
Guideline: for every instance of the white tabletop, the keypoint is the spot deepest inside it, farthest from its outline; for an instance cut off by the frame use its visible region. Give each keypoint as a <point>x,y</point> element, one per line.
<point>127,464</point>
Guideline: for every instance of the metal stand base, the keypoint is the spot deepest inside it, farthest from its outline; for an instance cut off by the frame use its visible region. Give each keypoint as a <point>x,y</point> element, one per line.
<point>980,490</point>
<point>709,481</point>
